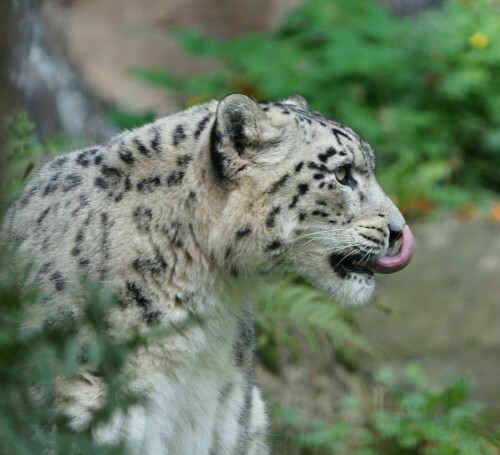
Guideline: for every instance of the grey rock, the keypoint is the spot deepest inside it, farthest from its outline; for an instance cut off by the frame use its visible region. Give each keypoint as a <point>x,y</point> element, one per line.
<point>443,311</point>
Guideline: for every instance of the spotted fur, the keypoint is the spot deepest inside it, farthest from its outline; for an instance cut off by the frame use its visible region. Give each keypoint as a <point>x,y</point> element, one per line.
<point>181,219</point>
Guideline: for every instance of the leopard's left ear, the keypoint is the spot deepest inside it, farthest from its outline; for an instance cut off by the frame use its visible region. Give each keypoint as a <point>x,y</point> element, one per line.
<point>238,119</point>
<point>236,135</point>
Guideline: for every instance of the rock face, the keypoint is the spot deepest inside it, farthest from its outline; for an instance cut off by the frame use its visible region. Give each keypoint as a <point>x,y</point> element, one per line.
<point>6,42</point>
<point>38,80</point>
<point>70,59</point>
<point>444,309</point>
<point>103,40</point>
<point>66,61</point>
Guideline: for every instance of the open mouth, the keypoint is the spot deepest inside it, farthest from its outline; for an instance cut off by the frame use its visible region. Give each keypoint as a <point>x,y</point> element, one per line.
<point>344,265</point>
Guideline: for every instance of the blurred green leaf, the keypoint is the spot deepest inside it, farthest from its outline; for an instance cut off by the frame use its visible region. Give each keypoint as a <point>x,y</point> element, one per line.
<point>128,120</point>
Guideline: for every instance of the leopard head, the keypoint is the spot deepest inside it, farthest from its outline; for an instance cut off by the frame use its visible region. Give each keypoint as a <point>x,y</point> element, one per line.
<point>300,196</point>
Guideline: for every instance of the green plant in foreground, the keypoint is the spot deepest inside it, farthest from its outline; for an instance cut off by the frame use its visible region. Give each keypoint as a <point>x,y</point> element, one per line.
<point>21,153</point>
<point>414,419</point>
<point>32,360</point>
<point>18,155</point>
<point>291,309</point>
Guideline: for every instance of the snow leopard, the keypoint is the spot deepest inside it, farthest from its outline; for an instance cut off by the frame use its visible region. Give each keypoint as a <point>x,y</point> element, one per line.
<point>183,219</point>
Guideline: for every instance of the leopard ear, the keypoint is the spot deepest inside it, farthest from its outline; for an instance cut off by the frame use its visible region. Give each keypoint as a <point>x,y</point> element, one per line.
<point>297,100</point>
<point>236,134</point>
<point>238,119</point>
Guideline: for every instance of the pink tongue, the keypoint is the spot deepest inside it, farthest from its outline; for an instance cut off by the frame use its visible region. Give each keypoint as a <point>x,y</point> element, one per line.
<point>391,264</point>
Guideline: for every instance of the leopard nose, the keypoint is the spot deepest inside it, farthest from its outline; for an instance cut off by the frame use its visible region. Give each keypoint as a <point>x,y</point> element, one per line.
<point>394,236</point>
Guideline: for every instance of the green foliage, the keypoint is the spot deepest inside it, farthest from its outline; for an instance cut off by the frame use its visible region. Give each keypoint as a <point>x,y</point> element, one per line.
<point>32,360</point>
<point>426,92</point>
<point>414,419</point>
<point>20,152</point>
<point>292,310</point>
<point>126,120</point>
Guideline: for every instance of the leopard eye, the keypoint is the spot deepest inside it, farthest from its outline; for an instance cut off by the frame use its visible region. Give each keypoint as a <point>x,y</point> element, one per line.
<point>344,176</point>
<point>341,173</point>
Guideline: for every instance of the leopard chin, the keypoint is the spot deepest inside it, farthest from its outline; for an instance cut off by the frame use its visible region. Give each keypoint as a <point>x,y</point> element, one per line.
<point>354,275</point>
<point>353,291</point>
<point>347,287</point>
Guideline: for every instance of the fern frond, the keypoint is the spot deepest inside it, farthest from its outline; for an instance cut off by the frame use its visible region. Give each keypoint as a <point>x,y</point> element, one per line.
<point>293,305</point>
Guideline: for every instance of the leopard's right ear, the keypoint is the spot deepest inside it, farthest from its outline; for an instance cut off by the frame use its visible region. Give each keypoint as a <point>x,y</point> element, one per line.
<point>297,100</point>
<point>236,134</point>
